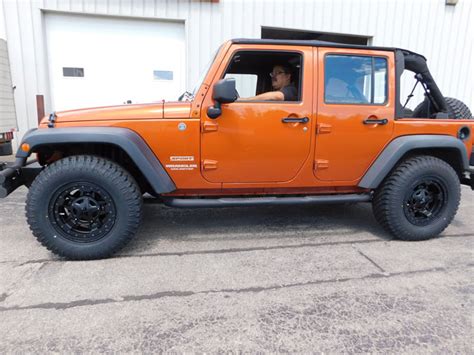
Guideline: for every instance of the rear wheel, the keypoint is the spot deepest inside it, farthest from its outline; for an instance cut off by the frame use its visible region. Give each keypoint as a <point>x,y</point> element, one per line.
<point>419,199</point>
<point>84,207</point>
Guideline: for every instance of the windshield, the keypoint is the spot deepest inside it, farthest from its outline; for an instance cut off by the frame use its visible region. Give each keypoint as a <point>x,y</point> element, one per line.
<point>189,96</point>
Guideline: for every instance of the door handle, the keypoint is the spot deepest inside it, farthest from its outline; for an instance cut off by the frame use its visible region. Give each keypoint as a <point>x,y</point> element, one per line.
<point>295,120</point>
<point>381,121</point>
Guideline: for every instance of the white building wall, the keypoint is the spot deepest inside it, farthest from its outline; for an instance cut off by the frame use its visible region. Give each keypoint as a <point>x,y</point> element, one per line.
<point>7,104</point>
<point>3,31</point>
<point>444,34</point>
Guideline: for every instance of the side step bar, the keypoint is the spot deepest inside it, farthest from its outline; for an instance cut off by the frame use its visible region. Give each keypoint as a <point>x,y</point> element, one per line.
<point>264,201</point>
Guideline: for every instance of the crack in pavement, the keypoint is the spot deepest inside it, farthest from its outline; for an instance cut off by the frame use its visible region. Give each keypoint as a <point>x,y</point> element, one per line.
<point>231,250</point>
<point>158,295</point>
<point>27,274</point>
<point>4,296</point>
<point>215,251</point>
<point>369,259</point>
<point>240,250</point>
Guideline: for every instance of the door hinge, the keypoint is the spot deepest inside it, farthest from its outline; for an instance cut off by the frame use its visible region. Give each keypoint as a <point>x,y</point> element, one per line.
<point>208,164</point>
<point>209,127</point>
<point>323,128</point>
<point>321,164</point>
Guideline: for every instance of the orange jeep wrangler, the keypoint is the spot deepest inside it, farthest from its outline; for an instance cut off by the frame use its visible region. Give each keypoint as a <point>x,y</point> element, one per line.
<point>343,135</point>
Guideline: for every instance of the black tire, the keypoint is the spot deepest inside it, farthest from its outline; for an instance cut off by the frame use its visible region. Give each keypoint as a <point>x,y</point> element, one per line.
<point>422,110</point>
<point>84,207</point>
<point>402,203</point>
<point>407,112</point>
<point>457,109</point>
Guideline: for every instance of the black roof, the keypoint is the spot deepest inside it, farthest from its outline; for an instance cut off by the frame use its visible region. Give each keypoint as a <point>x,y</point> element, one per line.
<point>316,43</point>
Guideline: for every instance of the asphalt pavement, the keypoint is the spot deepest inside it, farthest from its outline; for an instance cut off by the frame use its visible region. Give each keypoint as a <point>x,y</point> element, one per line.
<point>273,279</point>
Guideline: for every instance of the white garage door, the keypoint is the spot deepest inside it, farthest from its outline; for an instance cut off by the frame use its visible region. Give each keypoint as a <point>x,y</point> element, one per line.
<point>97,61</point>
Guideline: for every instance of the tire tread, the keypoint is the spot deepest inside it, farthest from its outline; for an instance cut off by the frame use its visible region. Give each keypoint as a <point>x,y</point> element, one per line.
<point>383,208</point>
<point>106,168</point>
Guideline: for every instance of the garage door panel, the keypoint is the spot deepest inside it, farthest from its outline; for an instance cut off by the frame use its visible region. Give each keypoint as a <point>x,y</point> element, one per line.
<point>120,59</point>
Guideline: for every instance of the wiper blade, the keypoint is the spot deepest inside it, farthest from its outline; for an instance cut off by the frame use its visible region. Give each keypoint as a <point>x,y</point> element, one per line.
<point>186,96</point>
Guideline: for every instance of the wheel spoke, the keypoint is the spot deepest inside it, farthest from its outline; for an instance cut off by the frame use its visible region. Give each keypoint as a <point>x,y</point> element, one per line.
<point>82,212</point>
<point>425,202</point>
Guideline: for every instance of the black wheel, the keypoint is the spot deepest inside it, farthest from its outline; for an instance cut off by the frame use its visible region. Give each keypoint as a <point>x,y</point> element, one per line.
<point>84,207</point>
<point>419,199</point>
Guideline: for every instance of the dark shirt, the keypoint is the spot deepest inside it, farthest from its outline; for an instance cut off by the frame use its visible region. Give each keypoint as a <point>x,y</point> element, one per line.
<point>290,93</point>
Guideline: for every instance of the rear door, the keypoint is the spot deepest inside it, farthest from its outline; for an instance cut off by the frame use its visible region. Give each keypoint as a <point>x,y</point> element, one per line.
<point>356,108</point>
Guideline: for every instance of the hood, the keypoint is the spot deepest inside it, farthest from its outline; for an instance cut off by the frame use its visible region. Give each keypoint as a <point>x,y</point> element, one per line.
<point>124,112</point>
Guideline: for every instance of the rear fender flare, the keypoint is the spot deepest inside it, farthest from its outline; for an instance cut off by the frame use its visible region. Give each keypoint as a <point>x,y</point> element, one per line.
<point>400,146</point>
<point>124,138</point>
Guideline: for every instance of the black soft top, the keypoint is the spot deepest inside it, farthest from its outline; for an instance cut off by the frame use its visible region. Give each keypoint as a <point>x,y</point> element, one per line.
<point>315,43</point>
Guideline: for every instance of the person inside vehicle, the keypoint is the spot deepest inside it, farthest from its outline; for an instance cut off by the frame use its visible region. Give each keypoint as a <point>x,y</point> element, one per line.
<point>283,87</point>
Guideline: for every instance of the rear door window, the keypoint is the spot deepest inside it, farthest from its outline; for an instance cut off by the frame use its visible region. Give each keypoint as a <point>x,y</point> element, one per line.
<point>351,79</point>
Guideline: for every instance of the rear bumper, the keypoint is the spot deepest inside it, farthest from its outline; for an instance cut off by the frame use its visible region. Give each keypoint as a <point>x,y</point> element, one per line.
<point>13,175</point>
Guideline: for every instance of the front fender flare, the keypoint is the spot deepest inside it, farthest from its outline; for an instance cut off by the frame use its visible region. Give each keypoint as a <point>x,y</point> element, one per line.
<point>124,138</point>
<point>397,148</point>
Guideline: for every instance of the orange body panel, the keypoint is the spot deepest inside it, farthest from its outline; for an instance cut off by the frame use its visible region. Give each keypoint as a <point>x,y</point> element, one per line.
<point>407,126</point>
<point>248,150</point>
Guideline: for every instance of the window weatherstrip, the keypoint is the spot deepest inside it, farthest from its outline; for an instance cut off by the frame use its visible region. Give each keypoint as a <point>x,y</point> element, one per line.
<point>372,84</point>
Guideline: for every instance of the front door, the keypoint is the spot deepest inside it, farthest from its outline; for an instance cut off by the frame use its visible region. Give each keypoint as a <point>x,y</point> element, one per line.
<point>356,107</point>
<point>264,140</point>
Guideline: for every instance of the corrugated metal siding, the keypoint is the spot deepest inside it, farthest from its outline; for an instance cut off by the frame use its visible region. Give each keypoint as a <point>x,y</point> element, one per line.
<point>442,33</point>
<point>7,105</point>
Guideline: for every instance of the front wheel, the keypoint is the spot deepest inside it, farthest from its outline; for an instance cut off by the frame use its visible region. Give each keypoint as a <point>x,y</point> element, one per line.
<point>419,199</point>
<point>84,207</point>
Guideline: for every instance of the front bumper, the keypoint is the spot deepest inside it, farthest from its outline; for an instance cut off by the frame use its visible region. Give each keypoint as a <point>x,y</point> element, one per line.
<point>13,175</point>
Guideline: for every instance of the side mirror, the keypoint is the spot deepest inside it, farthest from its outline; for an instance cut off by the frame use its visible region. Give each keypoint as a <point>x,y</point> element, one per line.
<point>224,92</point>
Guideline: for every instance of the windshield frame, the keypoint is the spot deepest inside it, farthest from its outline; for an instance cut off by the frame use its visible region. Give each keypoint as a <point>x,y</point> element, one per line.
<point>205,71</point>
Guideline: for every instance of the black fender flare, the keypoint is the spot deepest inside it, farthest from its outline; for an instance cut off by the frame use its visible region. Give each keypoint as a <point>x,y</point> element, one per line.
<point>124,138</point>
<point>397,148</point>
